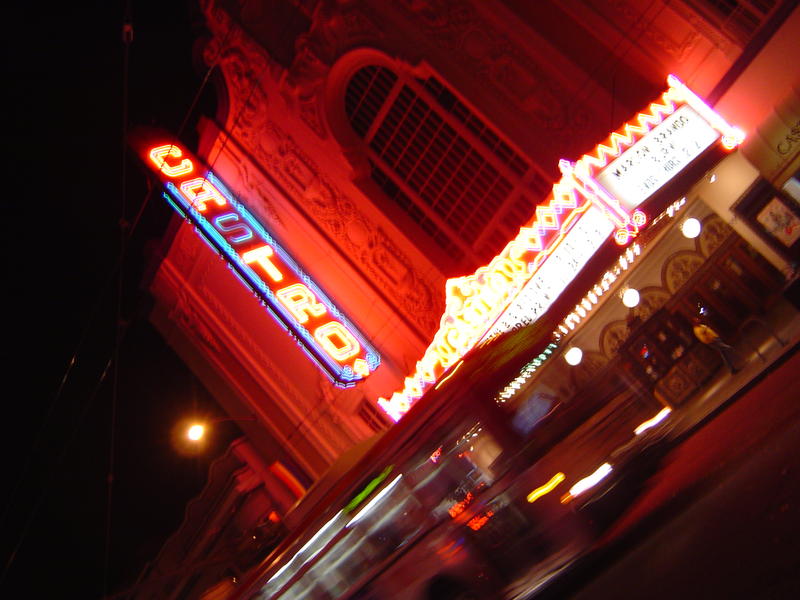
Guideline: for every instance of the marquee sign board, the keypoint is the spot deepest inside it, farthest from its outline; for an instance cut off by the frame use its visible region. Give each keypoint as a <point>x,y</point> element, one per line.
<point>597,195</point>
<point>652,161</point>
<point>258,260</point>
<point>546,285</point>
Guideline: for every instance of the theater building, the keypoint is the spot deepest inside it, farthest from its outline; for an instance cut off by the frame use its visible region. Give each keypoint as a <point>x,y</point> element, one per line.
<point>384,151</point>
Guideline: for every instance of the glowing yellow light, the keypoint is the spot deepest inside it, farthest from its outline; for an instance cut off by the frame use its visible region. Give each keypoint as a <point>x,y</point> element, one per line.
<point>337,341</point>
<point>360,367</point>
<point>590,481</point>
<point>261,256</point>
<point>159,157</point>
<point>662,414</point>
<point>630,297</point>
<point>546,488</point>
<point>691,228</point>
<point>449,375</point>
<point>196,432</point>
<point>573,356</point>
<point>199,191</point>
<point>301,302</point>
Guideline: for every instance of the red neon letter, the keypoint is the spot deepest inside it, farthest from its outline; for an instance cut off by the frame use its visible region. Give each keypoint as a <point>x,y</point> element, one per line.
<point>159,157</point>
<point>261,256</point>
<point>301,302</point>
<point>200,190</point>
<point>346,346</point>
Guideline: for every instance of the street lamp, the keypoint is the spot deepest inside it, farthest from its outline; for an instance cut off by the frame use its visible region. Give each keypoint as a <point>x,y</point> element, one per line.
<point>197,430</point>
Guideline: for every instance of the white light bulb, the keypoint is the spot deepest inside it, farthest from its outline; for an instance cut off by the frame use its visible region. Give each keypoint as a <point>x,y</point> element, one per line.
<point>691,228</point>
<point>630,297</point>
<point>195,432</point>
<point>573,356</point>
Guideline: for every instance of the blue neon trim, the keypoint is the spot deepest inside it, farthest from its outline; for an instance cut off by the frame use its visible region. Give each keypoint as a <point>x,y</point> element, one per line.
<point>220,223</point>
<point>342,376</point>
<point>298,271</point>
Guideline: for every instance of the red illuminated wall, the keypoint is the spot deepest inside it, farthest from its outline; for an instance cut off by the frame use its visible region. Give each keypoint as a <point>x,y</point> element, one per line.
<point>536,82</point>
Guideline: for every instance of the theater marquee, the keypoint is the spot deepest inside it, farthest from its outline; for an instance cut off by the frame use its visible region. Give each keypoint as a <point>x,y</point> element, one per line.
<point>598,196</point>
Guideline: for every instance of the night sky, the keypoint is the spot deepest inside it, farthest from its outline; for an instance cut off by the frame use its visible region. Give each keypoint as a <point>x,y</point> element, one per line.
<point>71,187</point>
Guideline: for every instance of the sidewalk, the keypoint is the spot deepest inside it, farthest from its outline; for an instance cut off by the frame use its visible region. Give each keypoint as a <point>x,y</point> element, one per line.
<point>711,438</point>
<point>760,355</point>
<point>763,349</point>
<point>760,350</point>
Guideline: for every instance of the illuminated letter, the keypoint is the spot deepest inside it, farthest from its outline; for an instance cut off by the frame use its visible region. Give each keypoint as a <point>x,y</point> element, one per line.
<point>200,190</point>
<point>261,256</point>
<point>159,157</point>
<point>242,232</point>
<point>395,407</point>
<point>347,346</point>
<point>301,302</point>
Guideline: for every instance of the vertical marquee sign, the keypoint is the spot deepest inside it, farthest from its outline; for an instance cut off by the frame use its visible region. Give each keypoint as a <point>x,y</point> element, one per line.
<point>288,293</point>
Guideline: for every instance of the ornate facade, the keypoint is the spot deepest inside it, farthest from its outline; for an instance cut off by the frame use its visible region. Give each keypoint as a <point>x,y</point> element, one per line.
<point>390,146</point>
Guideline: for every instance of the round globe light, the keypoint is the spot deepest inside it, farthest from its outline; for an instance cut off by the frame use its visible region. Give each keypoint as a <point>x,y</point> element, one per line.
<point>630,297</point>
<point>573,356</point>
<point>691,228</point>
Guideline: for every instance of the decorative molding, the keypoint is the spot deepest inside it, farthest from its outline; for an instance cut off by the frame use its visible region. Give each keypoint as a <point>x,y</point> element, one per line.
<point>616,333</point>
<point>383,262</point>
<point>631,22</point>
<point>258,357</point>
<point>245,66</point>
<point>679,268</point>
<point>328,439</point>
<point>612,337</point>
<point>187,318</point>
<point>331,34</point>
<point>712,33</point>
<point>714,232</point>
<point>494,59</point>
<point>591,363</point>
<point>254,187</point>
<point>651,299</point>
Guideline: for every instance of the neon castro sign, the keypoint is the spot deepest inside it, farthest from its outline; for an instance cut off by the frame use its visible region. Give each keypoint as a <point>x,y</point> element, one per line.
<point>288,293</point>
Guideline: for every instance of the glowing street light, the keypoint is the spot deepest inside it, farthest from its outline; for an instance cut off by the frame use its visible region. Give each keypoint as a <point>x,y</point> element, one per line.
<point>197,431</point>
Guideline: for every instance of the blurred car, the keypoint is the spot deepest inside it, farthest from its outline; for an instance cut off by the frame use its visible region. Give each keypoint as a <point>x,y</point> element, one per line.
<point>604,495</point>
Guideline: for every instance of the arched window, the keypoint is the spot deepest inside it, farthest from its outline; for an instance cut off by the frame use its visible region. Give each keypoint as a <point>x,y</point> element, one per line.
<point>467,188</point>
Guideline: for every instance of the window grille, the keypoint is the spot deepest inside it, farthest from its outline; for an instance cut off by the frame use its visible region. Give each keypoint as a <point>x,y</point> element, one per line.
<point>740,19</point>
<point>442,164</point>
